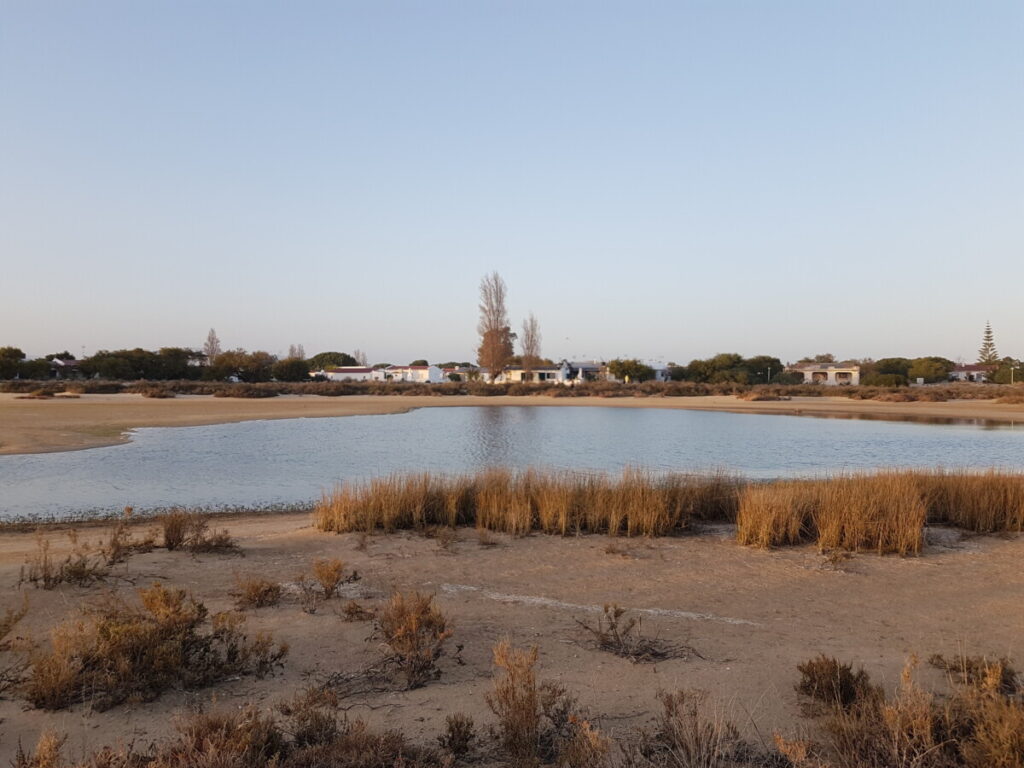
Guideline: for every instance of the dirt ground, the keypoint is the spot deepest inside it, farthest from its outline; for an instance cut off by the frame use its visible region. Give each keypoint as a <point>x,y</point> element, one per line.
<point>89,421</point>
<point>751,615</point>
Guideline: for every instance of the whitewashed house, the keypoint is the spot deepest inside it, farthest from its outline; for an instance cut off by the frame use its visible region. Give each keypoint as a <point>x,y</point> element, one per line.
<point>829,374</point>
<point>422,374</point>
<point>345,373</point>
<point>515,374</point>
<point>971,373</point>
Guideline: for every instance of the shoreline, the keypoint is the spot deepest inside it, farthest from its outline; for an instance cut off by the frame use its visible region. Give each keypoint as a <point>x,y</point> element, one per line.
<point>96,421</point>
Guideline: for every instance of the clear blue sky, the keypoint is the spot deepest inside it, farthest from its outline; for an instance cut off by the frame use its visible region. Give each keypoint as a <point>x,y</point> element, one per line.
<point>663,180</point>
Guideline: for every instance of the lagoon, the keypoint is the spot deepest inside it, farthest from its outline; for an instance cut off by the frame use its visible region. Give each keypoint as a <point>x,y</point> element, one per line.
<point>292,461</point>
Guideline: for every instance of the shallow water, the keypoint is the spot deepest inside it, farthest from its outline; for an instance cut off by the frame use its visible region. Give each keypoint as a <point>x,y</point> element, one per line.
<point>292,461</point>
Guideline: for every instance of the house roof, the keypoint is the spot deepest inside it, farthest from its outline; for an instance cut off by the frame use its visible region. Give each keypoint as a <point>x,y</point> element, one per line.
<point>349,370</point>
<point>409,367</point>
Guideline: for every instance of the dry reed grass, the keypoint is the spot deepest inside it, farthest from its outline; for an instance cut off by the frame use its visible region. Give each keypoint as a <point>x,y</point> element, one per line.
<point>884,511</point>
<point>255,592</point>
<point>636,503</point>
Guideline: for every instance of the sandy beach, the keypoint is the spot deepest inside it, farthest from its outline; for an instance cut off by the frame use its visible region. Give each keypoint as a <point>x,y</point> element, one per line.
<point>90,421</point>
<point>751,615</point>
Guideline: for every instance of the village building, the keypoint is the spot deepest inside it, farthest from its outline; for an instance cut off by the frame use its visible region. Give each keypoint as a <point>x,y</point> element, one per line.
<point>423,374</point>
<point>976,373</point>
<point>516,374</point>
<point>345,373</point>
<point>829,374</point>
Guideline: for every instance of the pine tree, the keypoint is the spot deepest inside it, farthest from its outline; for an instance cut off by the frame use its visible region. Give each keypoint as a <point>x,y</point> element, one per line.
<point>987,355</point>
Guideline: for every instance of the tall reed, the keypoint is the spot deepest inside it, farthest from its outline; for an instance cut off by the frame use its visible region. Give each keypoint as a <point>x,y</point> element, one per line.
<point>883,511</point>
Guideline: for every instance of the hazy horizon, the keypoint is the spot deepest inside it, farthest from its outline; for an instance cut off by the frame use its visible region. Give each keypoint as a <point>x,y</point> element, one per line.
<point>662,181</point>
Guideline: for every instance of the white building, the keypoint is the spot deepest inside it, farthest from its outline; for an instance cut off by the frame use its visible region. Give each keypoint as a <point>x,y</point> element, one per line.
<point>971,372</point>
<point>828,374</point>
<point>515,374</point>
<point>345,373</point>
<point>423,374</point>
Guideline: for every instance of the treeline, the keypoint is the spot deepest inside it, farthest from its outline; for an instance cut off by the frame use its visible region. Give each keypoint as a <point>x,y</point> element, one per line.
<point>172,364</point>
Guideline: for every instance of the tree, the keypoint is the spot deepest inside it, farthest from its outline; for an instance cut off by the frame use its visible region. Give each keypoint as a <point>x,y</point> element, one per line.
<point>360,357</point>
<point>65,355</point>
<point>212,346</point>
<point>296,352</point>
<point>630,370</point>
<point>495,335</point>
<point>530,343</point>
<point>419,362</point>
<point>825,357</point>
<point>931,369</point>
<point>10,358</point>
<point>291,369</point>
<point>330,359</point>
<point>987,355</point>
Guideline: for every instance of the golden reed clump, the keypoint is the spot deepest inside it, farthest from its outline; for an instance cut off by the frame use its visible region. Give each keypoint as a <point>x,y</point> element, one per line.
<point>883,511</point>
<point>635,503</point>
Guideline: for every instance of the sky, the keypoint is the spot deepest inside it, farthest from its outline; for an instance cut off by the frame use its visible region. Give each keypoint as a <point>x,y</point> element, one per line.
<point>663,180</point>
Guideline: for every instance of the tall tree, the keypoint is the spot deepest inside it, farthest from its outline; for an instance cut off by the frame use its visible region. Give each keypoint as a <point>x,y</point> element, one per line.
<point>495,335</point>
<point>296,352</point>
<point>987,355</point>
<point>212,346</point>
<point>360,357</point>
<point>529,342</point>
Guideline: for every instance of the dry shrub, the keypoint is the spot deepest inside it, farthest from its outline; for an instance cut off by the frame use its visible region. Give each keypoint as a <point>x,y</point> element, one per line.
<point>459,735</point>
<point>981,672</point>
<point>826,680</point>
<point>330,573</point>
<point>306,734</point>
<point>413,632</point>
<point>47,752</point>
<point>175,526</point>
<point>538,722</point>
<point>200,539</point>
<point>255,592</point>
<point>624,638</point>
<point>122,544</point>
<point>309,595</point>
<point>980,724</point>
<point>353,611</point>
<point>125,652</point>
<point>686,736</point>
<point>83,567</point>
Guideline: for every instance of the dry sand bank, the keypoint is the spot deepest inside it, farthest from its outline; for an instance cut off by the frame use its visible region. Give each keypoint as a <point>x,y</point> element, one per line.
<point>39,426</point>
<point>753,615</point>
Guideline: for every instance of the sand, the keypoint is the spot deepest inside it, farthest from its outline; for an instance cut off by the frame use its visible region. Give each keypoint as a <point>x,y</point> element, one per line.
<point>38,426</point>
<point>752,615</point>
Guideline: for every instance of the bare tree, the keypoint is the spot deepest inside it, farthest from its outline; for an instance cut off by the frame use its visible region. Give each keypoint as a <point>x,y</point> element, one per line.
<point>495,335</point>
<point>529,342</point>
<point>296,352</point>
<point>360,357</point>
<point>212,346</point>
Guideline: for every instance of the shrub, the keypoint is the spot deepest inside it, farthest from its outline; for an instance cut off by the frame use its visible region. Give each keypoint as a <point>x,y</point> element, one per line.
<point>330,573</point>
<point>120,651</point>
<point>826,680</point>
<point>175,526</point>
<point>413,632</point>
<point>686,736</point>
<point>536,722</point>
<point>82,567</point>
<point>624,638</point>
<point>255,592</point>
<point>459,734</point>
